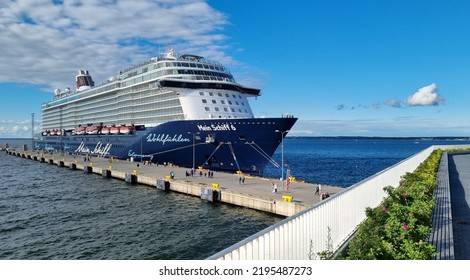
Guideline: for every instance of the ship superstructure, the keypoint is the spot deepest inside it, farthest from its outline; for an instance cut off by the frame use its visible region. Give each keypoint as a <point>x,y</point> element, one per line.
<point>192,98</point>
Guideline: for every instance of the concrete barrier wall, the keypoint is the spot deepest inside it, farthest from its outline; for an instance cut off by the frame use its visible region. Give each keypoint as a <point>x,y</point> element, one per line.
<point>248,201</point>
<point>333,221</point>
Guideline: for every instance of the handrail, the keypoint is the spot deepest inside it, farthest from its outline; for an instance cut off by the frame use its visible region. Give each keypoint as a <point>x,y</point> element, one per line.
<point>329,223</point>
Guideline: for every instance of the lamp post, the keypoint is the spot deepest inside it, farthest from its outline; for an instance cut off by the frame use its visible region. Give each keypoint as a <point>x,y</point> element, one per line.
<point>194,147</point>
<point>32,131</point>
<point>282,154</point>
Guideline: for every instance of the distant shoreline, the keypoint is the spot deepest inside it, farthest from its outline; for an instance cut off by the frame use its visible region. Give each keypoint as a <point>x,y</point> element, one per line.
<point>5,139</point>
<point>384,137</point>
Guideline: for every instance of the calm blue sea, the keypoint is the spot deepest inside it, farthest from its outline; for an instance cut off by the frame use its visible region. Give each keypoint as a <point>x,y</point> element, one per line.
<point>48,212</point>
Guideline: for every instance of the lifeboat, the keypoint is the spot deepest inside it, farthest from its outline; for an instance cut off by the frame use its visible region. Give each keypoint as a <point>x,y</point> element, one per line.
<point>59,132</point>
<point>93,129</point>
<point>126,129</point>
<point>79,130</point>
<point>53,132</point>
<point>105,130</point>
<point>45,132</point>
<point>114,130</point>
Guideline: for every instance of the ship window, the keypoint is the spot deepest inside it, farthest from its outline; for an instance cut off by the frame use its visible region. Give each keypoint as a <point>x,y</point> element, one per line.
<point>233,110</point>
<point>201,93</point>
<point>220,94</point>
<point>204,101</point>
<point>226,95</point>
<point>206,108</point>
<point>217,109</point>
<point>240,96</point>
<point>214,102</point>
<point>225,109</point>
<point>222,101</point>
<point>243,104</point>
<point>211,93</point>
<point>234,96</point>
<point>240,110</point>
<point>230,102</point>
<point>236,102</point>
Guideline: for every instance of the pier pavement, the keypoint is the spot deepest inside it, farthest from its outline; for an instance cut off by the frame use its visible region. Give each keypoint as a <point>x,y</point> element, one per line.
<point>256,192</point>
<point>459,179</point>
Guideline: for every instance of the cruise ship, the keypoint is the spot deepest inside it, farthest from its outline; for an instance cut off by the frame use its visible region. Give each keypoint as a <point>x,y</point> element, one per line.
<point>184,110</point>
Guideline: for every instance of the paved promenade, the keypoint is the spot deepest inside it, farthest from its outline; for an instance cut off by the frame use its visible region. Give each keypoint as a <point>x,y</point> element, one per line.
<point>303,193</point>
<point>459,177</point>
<point>252,190</point>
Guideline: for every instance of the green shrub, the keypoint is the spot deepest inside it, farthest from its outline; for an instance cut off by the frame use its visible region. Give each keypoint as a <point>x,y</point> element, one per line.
<point>398,227</point>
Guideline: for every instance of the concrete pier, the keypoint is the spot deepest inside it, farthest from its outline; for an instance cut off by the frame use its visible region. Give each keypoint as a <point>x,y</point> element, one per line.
<point>255,192</point>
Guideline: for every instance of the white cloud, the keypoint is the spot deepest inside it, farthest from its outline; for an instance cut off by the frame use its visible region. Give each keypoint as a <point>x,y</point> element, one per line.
<point>46,43</point>
<point>393,103</point>
<point>425,96</point>
<point>17,128</point>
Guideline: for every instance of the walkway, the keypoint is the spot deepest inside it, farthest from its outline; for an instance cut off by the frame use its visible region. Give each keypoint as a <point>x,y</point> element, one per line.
<point>254,192</point>
<point>459,176</point>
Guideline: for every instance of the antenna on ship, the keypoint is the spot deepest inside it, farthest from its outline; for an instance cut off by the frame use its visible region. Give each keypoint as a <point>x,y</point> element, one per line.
<point>170,53</point>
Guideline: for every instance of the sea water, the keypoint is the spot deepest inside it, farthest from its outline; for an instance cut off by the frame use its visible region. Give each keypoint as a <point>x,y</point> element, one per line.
<point>49,212</point>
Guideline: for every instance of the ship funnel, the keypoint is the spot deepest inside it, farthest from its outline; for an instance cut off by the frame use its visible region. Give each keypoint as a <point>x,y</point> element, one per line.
<point>83,80</point>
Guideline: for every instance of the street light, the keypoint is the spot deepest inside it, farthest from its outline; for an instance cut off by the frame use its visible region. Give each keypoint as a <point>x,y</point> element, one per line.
<point>32,131</point>
<point>282,154</point>
<point>194,146</point>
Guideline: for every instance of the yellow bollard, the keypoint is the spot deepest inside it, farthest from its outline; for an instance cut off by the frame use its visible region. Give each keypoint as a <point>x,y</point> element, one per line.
<point>134,171</point>
<point>110,167</point>
<point>287,198</point>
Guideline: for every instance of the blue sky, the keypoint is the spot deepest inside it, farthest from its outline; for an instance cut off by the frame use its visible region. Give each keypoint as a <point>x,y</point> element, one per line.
<point>344,68</point>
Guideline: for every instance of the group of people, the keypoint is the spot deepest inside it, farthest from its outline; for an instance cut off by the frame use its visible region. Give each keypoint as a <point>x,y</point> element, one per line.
<point>209,174</point>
